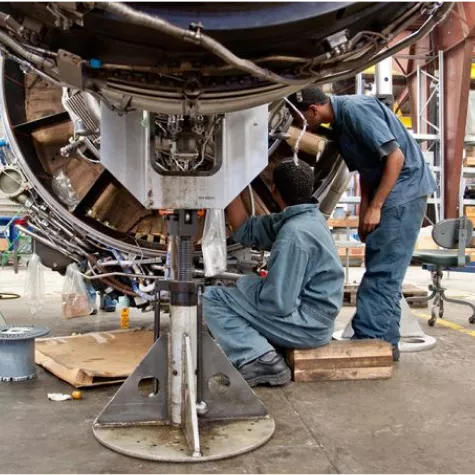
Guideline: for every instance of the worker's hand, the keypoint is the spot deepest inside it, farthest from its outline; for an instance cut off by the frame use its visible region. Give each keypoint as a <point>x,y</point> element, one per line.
<point>363,209</point>
<point>362,235</point>
<point>371,220</point>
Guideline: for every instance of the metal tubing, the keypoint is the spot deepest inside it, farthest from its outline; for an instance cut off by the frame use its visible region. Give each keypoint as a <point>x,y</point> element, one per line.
<point>442,137</point>
<point>199,348</point>
<point>133,262</point>
<point>156,326</point>
<point>199,38</point>
<point>359,84</point>
<point>223,275</point>
<point>419,103</point>
<point>156,329</point>
<point>182,322</point>
<point>45,242</point>
<point>122,274</point>
<point>17,48</point>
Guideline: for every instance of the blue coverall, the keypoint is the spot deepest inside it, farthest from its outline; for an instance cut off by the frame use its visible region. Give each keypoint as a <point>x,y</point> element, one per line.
<point>367,131</point>
<point>296,304</point>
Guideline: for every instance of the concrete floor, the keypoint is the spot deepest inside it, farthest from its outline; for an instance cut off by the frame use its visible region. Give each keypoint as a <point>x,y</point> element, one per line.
<point>420,421</point>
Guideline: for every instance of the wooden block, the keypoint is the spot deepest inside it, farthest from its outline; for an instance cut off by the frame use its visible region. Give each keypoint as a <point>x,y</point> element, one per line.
<point>470,161</point>
<point>357,251</point>
<point>470,213</point>
<point>342,360</point>
<point>309,143</point>
<point>349,222</point>
<point>345,374</point>
<point>408,290</point>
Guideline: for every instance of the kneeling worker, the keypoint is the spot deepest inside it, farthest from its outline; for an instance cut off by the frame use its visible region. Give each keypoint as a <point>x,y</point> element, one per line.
<point>296,304</point>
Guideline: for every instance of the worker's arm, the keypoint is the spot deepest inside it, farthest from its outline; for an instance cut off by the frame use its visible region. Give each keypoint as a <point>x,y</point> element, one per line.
<point>392,170</point>
<point>251,231</point>
<point>278,294</point>
<point>236,213</point>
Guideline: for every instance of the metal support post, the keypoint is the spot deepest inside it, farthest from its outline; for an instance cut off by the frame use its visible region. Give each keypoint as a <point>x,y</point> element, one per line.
<point>442,137</point>
<point>384,82</point>
<point>359,84</point>
<point>200,408</point>
<point>183,309</point>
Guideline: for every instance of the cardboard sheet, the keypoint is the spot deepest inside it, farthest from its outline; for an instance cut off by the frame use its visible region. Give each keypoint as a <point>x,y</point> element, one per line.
<point>94,359</point>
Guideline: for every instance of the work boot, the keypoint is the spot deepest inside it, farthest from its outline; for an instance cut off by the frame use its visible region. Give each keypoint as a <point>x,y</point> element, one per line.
<point>395,353</point>
<point>267,369</point>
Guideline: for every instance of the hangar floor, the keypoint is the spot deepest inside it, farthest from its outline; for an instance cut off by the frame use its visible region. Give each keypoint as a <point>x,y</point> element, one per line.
<point>420,421</point>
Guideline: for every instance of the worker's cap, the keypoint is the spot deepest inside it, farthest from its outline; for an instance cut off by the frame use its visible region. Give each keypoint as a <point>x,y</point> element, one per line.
<point>308,96</point>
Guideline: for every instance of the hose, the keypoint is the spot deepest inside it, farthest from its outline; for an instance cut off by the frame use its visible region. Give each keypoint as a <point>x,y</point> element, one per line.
<point>135,286</point>
<point>198,38</point>
<point>17,48</point>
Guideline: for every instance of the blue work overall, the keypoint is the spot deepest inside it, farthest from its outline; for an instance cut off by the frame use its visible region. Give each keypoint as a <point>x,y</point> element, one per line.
<point>296,304</point>
<point>367,132</point>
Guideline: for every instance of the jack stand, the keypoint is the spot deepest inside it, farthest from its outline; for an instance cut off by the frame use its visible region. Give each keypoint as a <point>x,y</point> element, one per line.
<point>412,337</point>
<point>200,408</point>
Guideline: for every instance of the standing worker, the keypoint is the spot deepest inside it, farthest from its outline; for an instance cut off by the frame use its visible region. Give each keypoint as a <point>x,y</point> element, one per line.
<point>395,182</point>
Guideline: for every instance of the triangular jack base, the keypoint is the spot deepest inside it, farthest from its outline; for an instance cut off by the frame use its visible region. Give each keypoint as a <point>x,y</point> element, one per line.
<point>226,393</point>
<point>136,425</point>
<point>132,406</point>
<point>412,337</point>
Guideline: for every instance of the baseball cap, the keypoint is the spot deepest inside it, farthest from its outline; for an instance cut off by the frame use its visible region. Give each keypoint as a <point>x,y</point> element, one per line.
<point>309,95</point>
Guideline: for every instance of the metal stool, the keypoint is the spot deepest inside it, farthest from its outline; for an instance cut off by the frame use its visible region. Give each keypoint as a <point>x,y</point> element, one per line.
<point>455,234</point>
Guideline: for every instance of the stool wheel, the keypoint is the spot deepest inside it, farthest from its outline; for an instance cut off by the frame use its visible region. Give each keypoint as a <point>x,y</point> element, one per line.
<point>433,318</point>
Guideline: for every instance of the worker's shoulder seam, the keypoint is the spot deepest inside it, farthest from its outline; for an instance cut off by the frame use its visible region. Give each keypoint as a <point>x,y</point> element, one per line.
<point>292,243</point>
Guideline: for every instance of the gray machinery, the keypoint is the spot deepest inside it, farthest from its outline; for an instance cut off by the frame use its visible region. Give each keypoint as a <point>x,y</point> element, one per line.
<point>123,121</point>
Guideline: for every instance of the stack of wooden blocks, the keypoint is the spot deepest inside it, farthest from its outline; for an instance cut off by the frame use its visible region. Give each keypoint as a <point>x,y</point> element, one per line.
<point>342,360</point>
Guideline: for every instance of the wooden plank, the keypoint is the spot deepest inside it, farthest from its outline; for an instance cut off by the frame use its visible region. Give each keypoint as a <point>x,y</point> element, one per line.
<point>408,290</point>
<point>343,349</point>
<point>83,174</point>
<point>345,374</point>
<point>372,361</point>
<point>342,360</point>
<point>356,251</point>
<point>42,98</point>
<point>114,198</point>
<point>43,122</point>
<point>351,222</point>
<point>470,161</point>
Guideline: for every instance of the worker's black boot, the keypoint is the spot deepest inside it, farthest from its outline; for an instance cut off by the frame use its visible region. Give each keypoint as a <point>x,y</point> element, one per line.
<point>268,369</point>
<point>395,353</point>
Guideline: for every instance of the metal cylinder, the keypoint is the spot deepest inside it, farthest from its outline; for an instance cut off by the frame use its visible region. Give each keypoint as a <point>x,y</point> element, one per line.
<point>17,351</point>
<point>337,188</point>
<point>384,76</point>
